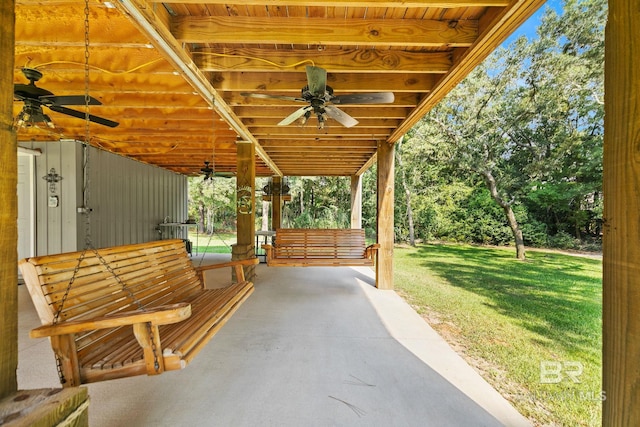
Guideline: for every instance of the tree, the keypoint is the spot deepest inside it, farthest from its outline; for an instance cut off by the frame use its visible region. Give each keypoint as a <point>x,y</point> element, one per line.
<point>407,192</point>
<point>528,124</point>
<point>212,202</point>
<point>468,125</point>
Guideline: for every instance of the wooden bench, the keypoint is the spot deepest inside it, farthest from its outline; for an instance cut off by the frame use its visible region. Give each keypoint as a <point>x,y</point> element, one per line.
<point>298,247</point>
<point>151,314</point>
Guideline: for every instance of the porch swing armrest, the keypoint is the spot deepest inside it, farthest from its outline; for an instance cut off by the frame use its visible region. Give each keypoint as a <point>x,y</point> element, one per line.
<point>237,264</point>
<point>371,251</point>
<point>268,251</point>
<point>161,315</point>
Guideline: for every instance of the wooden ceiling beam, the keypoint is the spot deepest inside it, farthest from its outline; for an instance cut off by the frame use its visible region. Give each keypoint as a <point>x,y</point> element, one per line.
<point>298,144</point>
<point>336,32</point>
<point>402,99</point>
<point>152,23</point>
<point>355,111</point>
<point>332,128</point>
<point>333,60</point>
<point>157,113</point>
<point>142,100</point>
<point>367,123</point>
<point>288,82</point>
<point>120,58</point>
<point>444,4</point>
<point>60,82</point>
<point>39,25</point>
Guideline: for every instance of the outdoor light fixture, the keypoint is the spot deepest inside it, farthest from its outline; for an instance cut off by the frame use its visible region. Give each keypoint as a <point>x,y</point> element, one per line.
<point>52,178</point>
<point>31,115</point>
<point>274,190</point>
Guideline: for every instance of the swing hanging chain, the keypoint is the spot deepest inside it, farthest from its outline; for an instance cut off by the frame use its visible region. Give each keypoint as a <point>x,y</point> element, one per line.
<point>87,213</point>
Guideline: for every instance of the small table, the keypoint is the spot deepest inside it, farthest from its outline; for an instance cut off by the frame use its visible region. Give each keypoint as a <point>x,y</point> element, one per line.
<point>266,234</point>
<point>178,230</point>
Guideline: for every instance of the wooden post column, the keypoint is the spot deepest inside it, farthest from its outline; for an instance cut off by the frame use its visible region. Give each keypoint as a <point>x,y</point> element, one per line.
<point>9,211</point>
<point>621,242</point>
<point>276,203</point>
<point>356,201</point>
<point>245,206</point>
<point>32,407</point>
<point>384,266</point>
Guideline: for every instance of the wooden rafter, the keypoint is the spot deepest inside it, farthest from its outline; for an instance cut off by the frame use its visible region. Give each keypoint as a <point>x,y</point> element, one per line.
<point>174,74</point>
<point>331,32</point>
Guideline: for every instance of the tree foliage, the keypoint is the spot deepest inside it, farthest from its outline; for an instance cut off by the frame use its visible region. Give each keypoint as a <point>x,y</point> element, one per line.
<point>513,152</point>
<point>526,126</point>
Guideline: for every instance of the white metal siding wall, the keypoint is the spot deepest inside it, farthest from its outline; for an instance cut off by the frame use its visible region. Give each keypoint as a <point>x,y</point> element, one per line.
<point>56,227</point>
<point>128,198</point>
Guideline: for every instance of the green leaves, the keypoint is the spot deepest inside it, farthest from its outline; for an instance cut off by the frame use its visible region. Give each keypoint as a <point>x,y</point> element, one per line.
<point>528,122</point>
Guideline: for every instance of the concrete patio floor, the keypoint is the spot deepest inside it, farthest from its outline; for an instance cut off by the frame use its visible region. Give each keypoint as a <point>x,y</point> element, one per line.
<point>311,347</point>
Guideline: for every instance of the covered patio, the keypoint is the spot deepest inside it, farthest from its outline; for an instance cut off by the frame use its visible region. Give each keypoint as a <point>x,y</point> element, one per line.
<point>179,99</point>
<point>312,346</point>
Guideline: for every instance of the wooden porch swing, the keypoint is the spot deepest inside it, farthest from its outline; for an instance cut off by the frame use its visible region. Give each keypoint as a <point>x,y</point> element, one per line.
<point>302,247</point>
<point>126,310</point>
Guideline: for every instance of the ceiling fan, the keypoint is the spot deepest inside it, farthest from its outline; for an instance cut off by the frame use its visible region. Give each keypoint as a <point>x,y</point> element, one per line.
<point>35,98</point>
<point>320,98</point>
<point>209,172</point>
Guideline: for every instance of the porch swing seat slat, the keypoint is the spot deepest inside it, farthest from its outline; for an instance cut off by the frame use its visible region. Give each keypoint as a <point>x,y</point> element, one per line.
<point>98,335</point>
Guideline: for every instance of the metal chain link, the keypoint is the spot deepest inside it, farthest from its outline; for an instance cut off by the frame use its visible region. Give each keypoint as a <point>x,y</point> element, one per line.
<point>88,244</point>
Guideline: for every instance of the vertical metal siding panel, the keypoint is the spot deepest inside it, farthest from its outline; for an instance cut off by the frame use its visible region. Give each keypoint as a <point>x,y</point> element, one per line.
<point>67,197</point>
<point>146,199</point>
<point>54,217</point>
<point>99,197</point>
<point>119,205</point>
<point>140,208</point>
<point>42,225</point>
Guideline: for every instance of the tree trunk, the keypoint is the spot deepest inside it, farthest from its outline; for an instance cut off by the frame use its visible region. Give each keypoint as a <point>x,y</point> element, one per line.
<point>511,216</point>
<point>201,211</point>
<point>265,215</point>
<point>407,192</point>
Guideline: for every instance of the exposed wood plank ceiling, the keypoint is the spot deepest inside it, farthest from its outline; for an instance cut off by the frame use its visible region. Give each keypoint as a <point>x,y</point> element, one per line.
<point>159,67</point>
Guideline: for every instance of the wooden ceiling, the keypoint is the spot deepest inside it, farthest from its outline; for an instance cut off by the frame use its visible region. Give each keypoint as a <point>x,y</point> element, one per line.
<point>159,67</point>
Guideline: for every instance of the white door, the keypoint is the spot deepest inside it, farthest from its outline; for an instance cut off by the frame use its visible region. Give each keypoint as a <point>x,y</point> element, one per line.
<point>26,205</point>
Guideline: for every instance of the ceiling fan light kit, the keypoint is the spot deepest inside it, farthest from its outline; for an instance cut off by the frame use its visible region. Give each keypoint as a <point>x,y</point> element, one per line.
<point>35,97</point>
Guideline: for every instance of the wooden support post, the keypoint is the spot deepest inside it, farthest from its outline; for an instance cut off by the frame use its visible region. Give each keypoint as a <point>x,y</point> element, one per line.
<point>384,266</point>
<point>31,407</point>
<point>9,211</point>
<point>245,206</point>
<point>356,201</point>
<point>621,242</point>
<point>276,203</point>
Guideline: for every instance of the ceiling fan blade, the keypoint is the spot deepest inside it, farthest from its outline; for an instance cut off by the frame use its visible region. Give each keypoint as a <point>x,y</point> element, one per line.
<point>317,80</point>
<point>294,116</point>
<point>81,115</point>
<point>68,100</point>
<point>364,98</point>
<point>340,116</point>
<point>31,91</point>
<point>265,96</point>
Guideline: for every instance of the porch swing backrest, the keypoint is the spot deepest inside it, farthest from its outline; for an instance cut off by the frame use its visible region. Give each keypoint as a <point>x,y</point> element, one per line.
<point>101,331</point>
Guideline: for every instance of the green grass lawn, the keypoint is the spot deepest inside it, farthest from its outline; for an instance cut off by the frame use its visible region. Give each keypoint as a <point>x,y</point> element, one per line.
<point>532,328</point>
<point>217,243</point>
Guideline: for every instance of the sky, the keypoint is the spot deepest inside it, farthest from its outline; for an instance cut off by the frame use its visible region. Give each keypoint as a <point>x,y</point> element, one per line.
<point>529,27</point>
